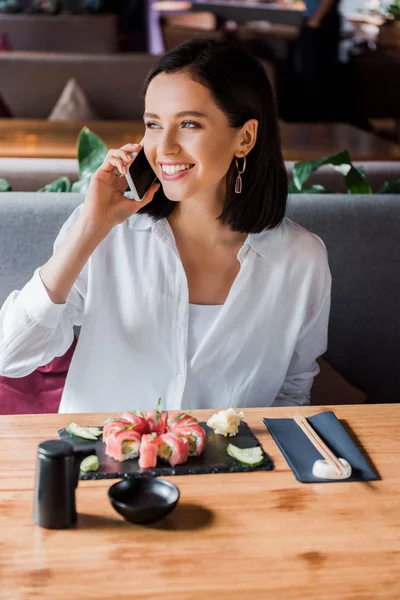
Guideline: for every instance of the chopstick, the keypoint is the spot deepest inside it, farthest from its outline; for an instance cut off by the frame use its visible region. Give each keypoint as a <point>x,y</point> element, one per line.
<point>319,444</point>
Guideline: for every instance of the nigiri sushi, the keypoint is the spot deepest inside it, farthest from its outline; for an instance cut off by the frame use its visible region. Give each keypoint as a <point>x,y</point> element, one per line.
<point>123,444</point>
<point>157,419</point>
<point>148,451</point>
<point>195,436</point>
<point>173,448</point>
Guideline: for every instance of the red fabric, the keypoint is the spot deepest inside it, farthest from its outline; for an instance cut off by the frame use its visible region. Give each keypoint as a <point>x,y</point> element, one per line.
<point>37,393</point>
<point>5,44</point>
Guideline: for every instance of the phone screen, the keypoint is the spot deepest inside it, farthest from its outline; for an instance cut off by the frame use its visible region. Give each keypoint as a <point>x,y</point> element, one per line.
<point>141,173</point>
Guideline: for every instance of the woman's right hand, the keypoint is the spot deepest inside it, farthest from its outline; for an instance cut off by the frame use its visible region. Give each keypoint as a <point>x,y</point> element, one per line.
<point>105,203</point>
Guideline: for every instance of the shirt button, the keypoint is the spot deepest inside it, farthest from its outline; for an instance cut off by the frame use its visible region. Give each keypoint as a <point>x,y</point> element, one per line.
<point>180,377</point>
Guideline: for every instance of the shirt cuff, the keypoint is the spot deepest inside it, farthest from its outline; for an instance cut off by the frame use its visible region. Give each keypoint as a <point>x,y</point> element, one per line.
<point>36,302</point>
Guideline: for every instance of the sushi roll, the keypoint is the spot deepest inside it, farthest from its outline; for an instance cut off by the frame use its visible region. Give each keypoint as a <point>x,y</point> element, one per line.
<point>173,448</point>
<point>123,444</point>
<point>136,419</point>
<point>113,426</point>
<point>195,436</point>
<point>148,451</point>
<point>157,419</point>
<point>179,419</point>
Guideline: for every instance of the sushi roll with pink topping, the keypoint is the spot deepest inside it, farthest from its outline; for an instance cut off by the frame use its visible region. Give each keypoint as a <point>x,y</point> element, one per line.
<point>157,419</point>
<point>178,419</point>
<point>196,437</point>
<point>123,444</point>
<point>113,426</point>
<point>148,451</point>
<point>173,448</point>
<point>136,419</point>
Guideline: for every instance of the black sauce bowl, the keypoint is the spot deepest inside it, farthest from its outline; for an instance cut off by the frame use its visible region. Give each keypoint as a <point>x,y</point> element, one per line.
<point>144,500</point>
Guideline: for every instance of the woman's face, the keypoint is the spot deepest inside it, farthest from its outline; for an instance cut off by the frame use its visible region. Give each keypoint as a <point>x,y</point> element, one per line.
<point>188,140</point>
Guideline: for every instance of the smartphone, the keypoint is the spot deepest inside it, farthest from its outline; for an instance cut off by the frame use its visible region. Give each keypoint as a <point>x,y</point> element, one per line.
<point>140,177</point>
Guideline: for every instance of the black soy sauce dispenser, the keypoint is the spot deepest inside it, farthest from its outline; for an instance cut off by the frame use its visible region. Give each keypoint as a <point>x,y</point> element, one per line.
<point>57,476</point>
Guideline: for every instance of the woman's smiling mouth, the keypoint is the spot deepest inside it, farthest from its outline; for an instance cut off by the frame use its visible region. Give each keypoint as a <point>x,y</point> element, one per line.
<point>171,172</point>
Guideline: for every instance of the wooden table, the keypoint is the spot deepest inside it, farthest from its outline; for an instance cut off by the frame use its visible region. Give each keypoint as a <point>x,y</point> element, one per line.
<point>302,141</point>
<point>233,536</point>
<point>57,139</point>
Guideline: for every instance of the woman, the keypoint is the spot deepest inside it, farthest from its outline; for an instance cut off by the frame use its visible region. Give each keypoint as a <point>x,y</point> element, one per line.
<point>202,294</point>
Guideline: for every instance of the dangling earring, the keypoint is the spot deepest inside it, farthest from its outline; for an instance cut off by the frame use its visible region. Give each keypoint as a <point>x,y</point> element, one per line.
<point>239,183</point>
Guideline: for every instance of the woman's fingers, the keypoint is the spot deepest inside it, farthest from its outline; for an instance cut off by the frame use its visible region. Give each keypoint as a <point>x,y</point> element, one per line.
<point>120,164</point>
<point>121,158</point>
<point>131,147</point>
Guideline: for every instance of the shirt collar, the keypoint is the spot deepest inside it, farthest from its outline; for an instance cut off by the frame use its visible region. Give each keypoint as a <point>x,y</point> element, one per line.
<point>258,241</point>
<point>140,222</point>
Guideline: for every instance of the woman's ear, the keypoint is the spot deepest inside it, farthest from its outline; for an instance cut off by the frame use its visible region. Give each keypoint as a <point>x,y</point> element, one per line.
<point>247,137</point>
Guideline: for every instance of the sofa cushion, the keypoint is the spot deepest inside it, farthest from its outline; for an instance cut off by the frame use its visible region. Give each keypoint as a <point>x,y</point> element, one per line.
<point>31,82</point>
<point>330,387</point>
<point>73,105</point>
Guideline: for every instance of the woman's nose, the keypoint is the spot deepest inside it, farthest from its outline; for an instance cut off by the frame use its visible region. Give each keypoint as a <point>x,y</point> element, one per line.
<point>168,144</point>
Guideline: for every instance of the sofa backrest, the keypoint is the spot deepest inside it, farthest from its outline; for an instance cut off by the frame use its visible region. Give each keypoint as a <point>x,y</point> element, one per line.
<point>376,174</point>
<point>361,234</point>
<point>31,83</point>
<point>62,32</point>
<point>362,239</point>
<point>31,174</point>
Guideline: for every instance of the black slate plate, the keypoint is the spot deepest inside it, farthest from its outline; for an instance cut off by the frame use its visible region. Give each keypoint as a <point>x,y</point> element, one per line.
<point>214,459</point>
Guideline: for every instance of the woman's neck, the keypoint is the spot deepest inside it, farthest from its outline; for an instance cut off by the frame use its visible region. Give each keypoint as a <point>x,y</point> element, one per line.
<point>196,222</point>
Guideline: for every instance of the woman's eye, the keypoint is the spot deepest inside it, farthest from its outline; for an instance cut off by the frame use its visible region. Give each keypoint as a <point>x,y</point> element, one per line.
<point>190,124</point>
<point>151,125</point>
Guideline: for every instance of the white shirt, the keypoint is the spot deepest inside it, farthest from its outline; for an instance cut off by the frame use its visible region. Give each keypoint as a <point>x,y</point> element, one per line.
<point>132,302</point>
<point>201,318</point>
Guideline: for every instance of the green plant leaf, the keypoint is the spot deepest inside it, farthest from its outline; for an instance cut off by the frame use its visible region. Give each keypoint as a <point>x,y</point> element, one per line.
<point>341,162</point>
<point>81,186</point>
<point>4,185</point>
<point>91,152</point>
<point>62,184</point>
<point>302,170</point>
<point>355,182</point>
<point>390,187</point>
<point>313,189</point>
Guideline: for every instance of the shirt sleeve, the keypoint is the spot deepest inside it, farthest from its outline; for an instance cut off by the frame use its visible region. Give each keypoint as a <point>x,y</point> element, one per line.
<point>310,345</point>
<point>33,329</point>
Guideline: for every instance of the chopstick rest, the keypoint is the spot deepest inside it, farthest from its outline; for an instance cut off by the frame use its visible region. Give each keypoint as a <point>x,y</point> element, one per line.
<point>324,470</point>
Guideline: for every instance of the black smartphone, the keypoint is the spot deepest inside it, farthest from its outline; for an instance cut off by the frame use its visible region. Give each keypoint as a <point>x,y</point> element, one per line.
<point>140,177</point>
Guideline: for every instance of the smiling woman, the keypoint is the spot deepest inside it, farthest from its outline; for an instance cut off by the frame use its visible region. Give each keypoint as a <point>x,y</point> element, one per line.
<point>203,293</point>
<point>226,117</point>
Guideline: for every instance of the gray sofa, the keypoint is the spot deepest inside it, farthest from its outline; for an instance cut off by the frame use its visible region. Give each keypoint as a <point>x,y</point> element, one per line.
<point>31,83</point>
<point>30,174</point>
<point>362,237</point>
